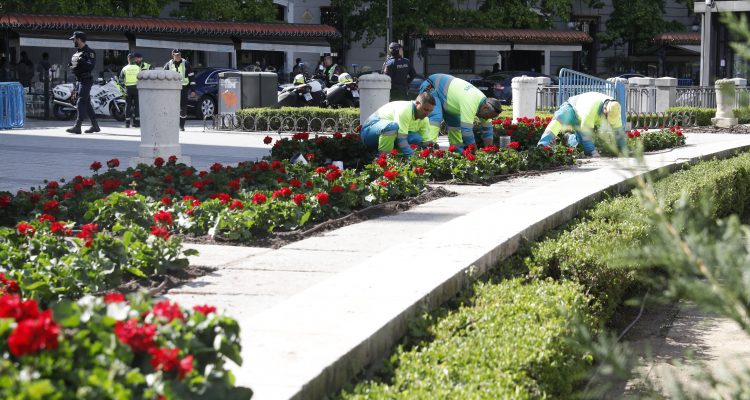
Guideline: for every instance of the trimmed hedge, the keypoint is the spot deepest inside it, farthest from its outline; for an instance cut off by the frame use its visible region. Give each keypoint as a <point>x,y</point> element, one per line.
<point>513,341</point>
<point>743,115</point>
<point>702,115</point>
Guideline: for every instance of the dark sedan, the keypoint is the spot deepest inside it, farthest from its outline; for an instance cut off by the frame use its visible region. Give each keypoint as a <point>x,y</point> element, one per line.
<point>204,102</point>
<point>497,85</point>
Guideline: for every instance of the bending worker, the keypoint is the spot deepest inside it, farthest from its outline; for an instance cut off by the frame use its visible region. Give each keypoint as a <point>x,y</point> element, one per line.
<point>129,75</point>
<point>583,114</point>
<point>400,122</point>
<point>459,102</point>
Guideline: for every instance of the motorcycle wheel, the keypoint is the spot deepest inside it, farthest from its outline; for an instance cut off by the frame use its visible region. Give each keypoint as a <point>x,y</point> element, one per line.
<point>62,114</point>
<point>117,110</point>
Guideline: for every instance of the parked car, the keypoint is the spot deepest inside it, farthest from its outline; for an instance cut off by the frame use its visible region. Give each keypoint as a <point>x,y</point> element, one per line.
<point>204,103</point>
<point>497,85</point>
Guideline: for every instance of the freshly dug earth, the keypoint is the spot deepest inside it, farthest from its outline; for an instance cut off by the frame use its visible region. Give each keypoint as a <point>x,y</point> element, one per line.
<point>159,284</point>
<point>737,129</point>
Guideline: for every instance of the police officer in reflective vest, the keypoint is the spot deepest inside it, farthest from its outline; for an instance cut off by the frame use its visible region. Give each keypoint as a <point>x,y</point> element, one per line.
<point>81,64</point>
<point>182,67</point>
<point>401,72</point>
<point>129,76</point>
<point>139,62</point>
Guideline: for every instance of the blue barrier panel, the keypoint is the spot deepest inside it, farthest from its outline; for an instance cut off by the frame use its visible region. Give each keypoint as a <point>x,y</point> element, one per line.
<point>12,105</point>
<point>573,83</point>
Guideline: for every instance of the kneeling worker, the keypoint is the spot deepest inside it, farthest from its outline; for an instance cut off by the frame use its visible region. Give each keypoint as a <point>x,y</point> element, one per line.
<point>583,114</point>
<point>400,122</point>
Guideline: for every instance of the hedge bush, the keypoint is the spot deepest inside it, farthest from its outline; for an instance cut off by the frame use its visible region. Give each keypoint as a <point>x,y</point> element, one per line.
<point>511,342</point>
<point>702,115</point>
<point>310,113</point>
<point>742,114</point>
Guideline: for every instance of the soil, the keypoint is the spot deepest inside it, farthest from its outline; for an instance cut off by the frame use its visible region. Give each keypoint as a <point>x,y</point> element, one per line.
<point>500,178</point>
<point>159,284</point>
<point>276,240</point>
<point>737,129</point>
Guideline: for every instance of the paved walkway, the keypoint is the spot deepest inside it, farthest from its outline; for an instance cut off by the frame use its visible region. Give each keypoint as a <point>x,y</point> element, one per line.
<point>314,312</point>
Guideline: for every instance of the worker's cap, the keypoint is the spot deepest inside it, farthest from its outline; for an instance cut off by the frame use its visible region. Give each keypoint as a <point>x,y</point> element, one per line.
<point>613,113</point>
<point>495,104</point>
<point>78,35</point>
<point>176,51</point>
<point>299,79</point>
<point>131,56</point>
<point>137,55</point>
<point>394,46</point>
<point>345,77</point>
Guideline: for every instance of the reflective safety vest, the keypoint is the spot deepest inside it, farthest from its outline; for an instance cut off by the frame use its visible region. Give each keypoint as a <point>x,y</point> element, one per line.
<point>145,66</point>
<point>131,74</point>
<point>180,70</point>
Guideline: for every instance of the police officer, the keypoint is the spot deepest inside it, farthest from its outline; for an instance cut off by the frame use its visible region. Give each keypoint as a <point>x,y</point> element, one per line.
<point>81,65</point>
<point>129,76</point>
<point>139,62</point>
<point>330,70</point>
<point>401,72</point>
<point>182,67</point>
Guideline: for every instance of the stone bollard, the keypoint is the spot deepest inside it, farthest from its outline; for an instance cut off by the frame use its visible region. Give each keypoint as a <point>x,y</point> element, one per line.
<point>666,93</point>
<point>524,96</point>
<point>742,99</point>
<point>645,99</point>
<point>374,91</point>
<point>725,98</point>
<point>159,104</point>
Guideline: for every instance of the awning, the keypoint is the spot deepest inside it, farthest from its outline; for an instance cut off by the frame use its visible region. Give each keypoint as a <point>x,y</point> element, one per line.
<point>289,48</point>
<point>692,48</point>
<point>472,46</point>
<point>682,38</point>
<point>31,41</point>
<point>186,45</point>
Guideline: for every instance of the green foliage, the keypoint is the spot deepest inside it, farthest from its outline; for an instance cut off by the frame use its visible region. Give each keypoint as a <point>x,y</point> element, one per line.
<point>288,116</point>
<point>742,115</point>
<point>229,10</point>
<point>636,22</point>
<point>702,115</point>
<point>120,8</point>
<point>323,149</point>
<point>511,340</point>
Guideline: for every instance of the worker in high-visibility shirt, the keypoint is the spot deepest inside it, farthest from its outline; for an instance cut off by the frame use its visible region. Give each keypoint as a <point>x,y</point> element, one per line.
<point>402,123</point>
<point>583,114</point>
<point>129,77</point>
<point>458,103</point>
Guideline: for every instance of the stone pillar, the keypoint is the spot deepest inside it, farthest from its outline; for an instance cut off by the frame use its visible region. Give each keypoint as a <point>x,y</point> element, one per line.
<point>742,99</point>
<point>645,94</point>
<point>524,96</point>
<point>159,101</point>
<point>666,93</point>
<point>374,91</point>
<point>725,97</point>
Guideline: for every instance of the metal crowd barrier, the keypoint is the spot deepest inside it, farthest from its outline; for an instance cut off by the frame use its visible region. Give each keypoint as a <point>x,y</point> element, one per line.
<point>697,96</point>
<point>573,83</point>
<point>12,105</point>
<point>276,124</point>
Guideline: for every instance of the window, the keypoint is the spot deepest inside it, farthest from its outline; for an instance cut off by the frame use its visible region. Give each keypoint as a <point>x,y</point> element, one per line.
<point>280,12</point>
<point>461,61</point>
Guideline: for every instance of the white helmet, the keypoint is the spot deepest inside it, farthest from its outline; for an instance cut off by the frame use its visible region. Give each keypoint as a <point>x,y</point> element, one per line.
<point>299,79</point>
<point>345,77</point>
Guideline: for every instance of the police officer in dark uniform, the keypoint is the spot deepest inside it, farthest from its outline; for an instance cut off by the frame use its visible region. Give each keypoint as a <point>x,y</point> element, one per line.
<point>81,65</point>
<point>182,67</point>
<point>401,72</point>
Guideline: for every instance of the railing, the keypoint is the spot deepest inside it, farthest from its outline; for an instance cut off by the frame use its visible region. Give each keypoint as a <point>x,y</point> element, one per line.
<point>546,98</point>
<point>697,96</point>
<point>573,83</point>
<point>641,99</point>
<point>276,124</point>
<point>649,120</point>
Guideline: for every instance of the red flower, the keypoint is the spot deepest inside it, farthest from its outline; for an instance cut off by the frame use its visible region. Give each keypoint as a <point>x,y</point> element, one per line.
<point>353,186</point>
<point>390,174</point>
<point>46,217</point>
<point>11,306</point>
<point>382,183</point>
<point>26,229</point>
<point>490,149</point>
<point>294,182</point>
<point>113,163</point>
<point>424,153</point>
<point>58,227</point>
<point>337,135</point>
<point>109,185</point>
<point>337,189</point>
<point>170,191</point>
<point>166,201</point>
<point>168,179</point>
<point>309,183</point>
<point>51,206</point>
<point>333,174</point>
<point>514,145</point>
<point>158,161</point>
<point>547,148</point>
<point>277,165</point>
<point>285,192</point>
<point>299,198</point>
<point>636,134</point>
<point>569,150</point>
<point>310,156</point>
<point>236,205</point>
<point>321,170</point>
<point>267,140</point>
<point>160,231</point>
<point>137,174</point>
<point>172,159</point>
<point>187,172</point>
<point>382,162</point>
<point>167,310</point>
<point>322,198</point>
<point>130,192</point>
<point>452,148</point>
<point>259,198</point>
<point>5,201</point>
<point>205,309</point>
<point>53,185</point>
<point>138,337</point>
<point>87,233</point>
<point>95,166</point>
<point>678,133</point>
<point>216,167</point>
<point>419,171</point>
<point>32,335</point>
<point>35,197</point>
<point>163,218</point>
<point>630,135</point>
<point>114,297</point>
<point>199,185</point>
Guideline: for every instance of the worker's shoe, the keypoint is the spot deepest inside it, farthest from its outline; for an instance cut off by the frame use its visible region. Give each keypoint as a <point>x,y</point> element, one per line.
<point>76,129</point>
<point>127,124</point>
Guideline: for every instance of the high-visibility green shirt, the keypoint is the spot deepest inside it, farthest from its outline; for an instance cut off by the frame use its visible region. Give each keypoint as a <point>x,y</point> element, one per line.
<point>402,113</point>
<point>464,99</point>
<point>588,107</point>
<point>129,74</point>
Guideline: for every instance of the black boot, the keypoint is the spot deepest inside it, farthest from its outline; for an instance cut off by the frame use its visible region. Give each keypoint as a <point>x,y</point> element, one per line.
<point>182,124</point>
<point>94,128</point>
<point>76,129</point>
<point>127,123</point>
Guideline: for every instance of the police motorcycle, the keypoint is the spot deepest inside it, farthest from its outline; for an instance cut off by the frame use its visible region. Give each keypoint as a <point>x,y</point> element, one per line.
<point>344,93</point>
<point>302,92</point>
<point>107,99</point>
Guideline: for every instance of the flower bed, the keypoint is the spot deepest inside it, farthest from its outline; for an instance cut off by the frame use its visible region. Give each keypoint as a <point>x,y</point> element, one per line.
<point>506,339</point>
<point>116,348</point>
